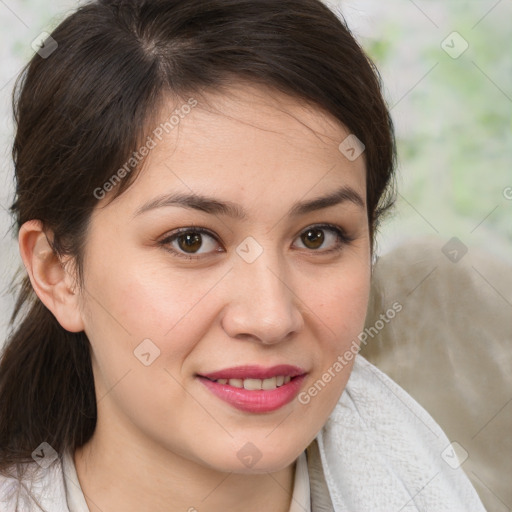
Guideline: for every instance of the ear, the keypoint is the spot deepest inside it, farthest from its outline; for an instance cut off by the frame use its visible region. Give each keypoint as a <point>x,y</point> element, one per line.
<point>52,282</point>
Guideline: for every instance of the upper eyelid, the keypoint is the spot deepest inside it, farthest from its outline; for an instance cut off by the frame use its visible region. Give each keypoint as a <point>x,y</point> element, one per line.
<point>337,230</point>
<point>199,229</point>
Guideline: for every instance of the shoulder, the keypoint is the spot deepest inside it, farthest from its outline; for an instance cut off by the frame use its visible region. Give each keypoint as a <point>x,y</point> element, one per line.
<point>380,449</point>
<point>32,488</point>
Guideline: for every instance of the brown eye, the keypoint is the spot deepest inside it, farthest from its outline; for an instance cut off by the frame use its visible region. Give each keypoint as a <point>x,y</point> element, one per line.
<point>313,238</point>
<point>191,243</point>
<point>326,236</point>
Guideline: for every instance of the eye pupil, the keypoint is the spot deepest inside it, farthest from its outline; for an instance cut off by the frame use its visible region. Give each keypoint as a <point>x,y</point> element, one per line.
<point>315,237</point>
<point>190,241</point>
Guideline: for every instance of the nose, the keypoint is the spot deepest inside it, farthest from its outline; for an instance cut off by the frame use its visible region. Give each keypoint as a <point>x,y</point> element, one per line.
<point>262,304</point>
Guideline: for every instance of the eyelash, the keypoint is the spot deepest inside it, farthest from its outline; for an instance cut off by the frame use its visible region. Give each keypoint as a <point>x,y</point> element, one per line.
<point>343,239</point>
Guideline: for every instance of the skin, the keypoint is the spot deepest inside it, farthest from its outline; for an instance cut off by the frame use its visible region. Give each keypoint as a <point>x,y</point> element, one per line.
<point>162,438</point>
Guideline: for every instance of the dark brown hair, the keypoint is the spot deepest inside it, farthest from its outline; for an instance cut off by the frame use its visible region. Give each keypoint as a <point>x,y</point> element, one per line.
<point>82,111</point>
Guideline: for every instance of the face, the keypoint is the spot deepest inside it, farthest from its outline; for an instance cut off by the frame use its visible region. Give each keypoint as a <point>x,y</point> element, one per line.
<point>188,302</point>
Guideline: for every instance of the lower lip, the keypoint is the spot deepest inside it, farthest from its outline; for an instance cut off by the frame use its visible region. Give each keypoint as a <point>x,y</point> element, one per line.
<point>258,401</point>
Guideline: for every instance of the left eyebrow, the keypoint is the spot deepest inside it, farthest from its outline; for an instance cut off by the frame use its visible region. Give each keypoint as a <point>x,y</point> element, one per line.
<point>215,206</point>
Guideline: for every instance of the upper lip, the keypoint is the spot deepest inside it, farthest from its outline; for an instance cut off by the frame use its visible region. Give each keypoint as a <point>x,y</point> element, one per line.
<point>255,372</point>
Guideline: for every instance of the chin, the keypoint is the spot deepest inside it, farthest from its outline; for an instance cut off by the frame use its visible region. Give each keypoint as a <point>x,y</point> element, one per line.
<point>260,456</point>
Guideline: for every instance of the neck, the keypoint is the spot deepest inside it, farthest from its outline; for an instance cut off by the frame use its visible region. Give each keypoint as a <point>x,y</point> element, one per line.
<point>114,477</point>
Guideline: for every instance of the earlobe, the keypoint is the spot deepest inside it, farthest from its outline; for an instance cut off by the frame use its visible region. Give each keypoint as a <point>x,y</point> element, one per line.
<point>52,282</point>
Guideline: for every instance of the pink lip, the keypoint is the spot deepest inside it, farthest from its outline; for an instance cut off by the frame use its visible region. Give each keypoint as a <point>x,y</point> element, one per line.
<point>258,401</point>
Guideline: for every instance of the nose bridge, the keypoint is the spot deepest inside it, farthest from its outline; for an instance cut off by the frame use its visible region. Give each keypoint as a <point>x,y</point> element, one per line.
<point>264,304</point>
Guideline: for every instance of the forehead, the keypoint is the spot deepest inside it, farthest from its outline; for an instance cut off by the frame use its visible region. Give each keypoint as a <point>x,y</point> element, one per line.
<point>248,119</point>
<point>249,142</point>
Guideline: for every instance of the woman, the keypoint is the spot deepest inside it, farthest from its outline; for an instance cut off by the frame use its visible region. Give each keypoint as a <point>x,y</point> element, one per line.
<point>198,188</point>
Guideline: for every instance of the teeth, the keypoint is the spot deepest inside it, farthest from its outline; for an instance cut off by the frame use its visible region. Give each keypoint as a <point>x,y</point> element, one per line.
<point>269,383</point>
<point>252,384</point>
<point>236,383</point>
<point>257,384</point>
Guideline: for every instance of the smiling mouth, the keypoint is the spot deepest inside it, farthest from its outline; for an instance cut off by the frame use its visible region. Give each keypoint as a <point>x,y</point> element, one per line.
<point>255,389</point>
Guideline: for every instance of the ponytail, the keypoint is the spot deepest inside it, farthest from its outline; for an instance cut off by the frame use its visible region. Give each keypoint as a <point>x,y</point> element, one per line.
<point>46,385</point>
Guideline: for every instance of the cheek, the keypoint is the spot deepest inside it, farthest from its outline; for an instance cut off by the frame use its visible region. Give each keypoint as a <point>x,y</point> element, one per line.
<point>142,326</point>
<point>129,303</point>
<point>145,300</point>
<point>341,303</point>
<point>340,312</point>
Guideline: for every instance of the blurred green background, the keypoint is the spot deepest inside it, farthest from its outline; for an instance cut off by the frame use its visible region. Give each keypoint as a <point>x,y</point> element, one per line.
<point>453,116</point>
